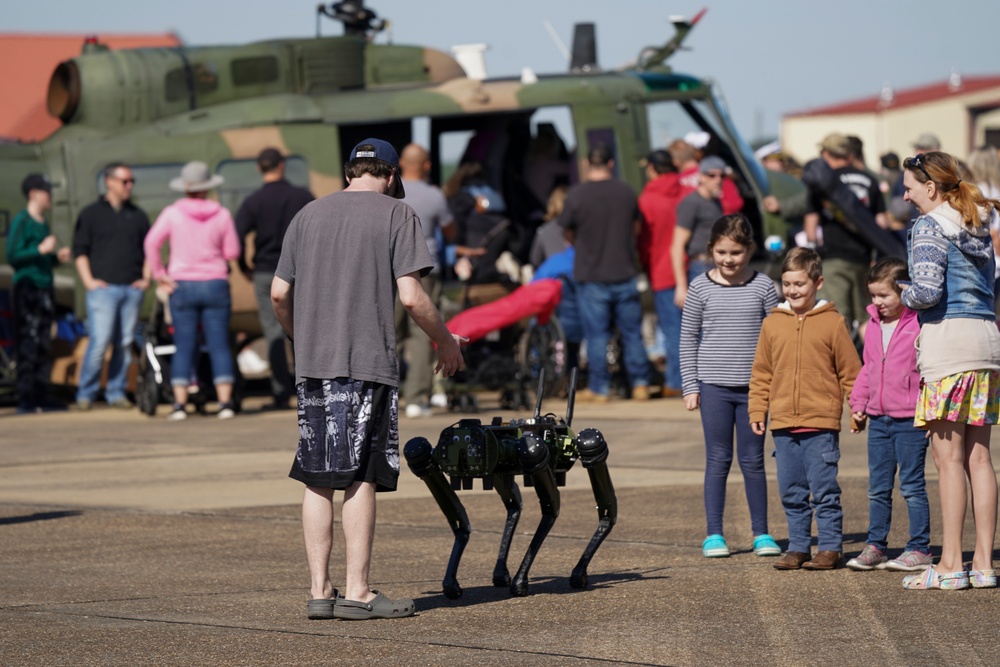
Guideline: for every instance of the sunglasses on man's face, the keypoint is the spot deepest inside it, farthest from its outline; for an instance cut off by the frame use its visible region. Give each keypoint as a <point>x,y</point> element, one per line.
<point>917,162</point>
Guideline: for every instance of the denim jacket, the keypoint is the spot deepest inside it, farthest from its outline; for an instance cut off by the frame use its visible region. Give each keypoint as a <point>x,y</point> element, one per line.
<point>952,267</point>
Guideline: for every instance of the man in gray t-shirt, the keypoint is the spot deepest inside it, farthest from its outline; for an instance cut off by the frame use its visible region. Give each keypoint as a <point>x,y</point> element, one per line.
<point>343,259</point>
<point>696,214</point>
<point>432,209</point>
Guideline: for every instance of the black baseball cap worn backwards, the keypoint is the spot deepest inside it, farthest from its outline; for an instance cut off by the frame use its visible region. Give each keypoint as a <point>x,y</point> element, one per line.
<point>381,150</point>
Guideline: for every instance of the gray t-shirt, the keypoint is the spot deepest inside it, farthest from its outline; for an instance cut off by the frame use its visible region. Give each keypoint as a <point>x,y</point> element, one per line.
<point>698,214</point>
<point>432,209</point>
<point>342,255</point>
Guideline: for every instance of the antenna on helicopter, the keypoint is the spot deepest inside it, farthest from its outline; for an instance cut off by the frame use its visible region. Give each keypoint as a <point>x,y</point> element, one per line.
<point>357,19</point>
<point>651,57</point>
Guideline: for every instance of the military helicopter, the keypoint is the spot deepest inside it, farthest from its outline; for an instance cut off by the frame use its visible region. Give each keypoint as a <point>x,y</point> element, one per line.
<point>158,108</point>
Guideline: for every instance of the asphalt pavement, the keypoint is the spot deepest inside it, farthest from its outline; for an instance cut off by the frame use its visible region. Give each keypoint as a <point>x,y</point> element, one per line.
<point>129,540</point>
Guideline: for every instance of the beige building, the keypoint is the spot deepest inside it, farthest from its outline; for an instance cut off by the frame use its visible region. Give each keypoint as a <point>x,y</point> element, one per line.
<point>964,112</point>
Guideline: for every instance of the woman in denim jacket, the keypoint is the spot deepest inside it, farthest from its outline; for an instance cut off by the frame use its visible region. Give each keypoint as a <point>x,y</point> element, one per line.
<point>958,355</point>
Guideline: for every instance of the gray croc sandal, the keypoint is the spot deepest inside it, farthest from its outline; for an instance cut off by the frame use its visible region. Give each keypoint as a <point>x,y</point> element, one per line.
<point>380,607</point>
<point>322,609</point>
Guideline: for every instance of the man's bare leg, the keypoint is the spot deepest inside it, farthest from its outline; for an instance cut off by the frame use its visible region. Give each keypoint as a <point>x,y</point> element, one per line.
<point>317,527</point>
<point>359,532</point>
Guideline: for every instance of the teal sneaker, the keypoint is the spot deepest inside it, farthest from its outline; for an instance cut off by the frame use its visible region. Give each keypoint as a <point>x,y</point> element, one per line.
<point>715,546</point>
<point>764,545</point>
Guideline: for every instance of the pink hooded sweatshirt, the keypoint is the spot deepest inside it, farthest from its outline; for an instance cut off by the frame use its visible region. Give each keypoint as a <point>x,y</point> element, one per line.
<point>889,383</point>
<point>202,240</point>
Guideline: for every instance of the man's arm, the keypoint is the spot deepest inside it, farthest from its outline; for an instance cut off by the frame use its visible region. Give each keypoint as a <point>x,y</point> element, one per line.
<point>244,225</point>
<point>86,276</point>
<point>282,301</point>
<point>810,224</point>
<point>678,258</point>
<point>422,310</point>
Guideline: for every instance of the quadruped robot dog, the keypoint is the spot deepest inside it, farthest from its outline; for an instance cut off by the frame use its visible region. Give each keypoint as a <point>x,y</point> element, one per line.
<point>542,449</point>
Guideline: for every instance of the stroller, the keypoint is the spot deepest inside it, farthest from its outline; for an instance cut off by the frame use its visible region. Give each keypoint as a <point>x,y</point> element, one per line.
<point>513,341</point>
<point>156,351</point>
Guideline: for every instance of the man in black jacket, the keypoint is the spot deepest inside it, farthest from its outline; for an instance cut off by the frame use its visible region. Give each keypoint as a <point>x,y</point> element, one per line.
<point>267,212</point>
<point>107,245</point>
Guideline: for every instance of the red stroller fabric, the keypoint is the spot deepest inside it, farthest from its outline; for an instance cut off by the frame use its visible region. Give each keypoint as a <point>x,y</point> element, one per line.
<point>538,299</point>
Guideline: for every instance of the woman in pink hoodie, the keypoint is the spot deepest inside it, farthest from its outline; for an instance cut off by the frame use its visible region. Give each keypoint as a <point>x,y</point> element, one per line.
<point>202,239</point>
<point>885,391</point>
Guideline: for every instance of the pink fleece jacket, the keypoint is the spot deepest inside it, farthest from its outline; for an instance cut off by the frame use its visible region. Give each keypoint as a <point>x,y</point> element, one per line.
<point>202,239</point>
<point>889,383</point>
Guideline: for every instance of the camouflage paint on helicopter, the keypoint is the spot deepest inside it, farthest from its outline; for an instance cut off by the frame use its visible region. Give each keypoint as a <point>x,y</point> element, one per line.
<point>313,99</point>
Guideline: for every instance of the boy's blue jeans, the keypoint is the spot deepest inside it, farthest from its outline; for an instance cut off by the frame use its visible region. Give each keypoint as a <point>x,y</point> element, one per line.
<point>807,466</point>
<point>896,442</point>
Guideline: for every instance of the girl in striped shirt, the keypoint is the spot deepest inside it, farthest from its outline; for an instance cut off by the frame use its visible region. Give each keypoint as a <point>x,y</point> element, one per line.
<point>719,329</point>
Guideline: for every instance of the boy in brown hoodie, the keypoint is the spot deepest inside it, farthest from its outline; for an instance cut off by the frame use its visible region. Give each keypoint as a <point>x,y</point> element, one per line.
<point>804,366</point>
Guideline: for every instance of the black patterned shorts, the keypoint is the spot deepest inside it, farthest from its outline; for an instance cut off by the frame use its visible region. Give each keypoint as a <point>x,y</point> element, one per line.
<point>348,432</point>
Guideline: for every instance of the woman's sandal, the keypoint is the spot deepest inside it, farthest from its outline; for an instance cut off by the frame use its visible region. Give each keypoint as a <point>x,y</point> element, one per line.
<point>322,608</point>
<point>379,607</point>
<point>930,578</point>
<point>983,578</point>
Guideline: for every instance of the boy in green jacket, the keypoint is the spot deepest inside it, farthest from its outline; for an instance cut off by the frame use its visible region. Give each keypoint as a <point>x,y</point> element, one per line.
<point>804,366</point>
<point>31,250</point>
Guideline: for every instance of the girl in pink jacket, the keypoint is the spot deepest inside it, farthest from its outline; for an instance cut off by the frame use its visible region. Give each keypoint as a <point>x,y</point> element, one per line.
<point>886,393</point>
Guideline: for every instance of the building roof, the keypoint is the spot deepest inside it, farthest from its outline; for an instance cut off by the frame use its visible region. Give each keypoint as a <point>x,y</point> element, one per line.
<point>27,60</point>
<point>905,97</point>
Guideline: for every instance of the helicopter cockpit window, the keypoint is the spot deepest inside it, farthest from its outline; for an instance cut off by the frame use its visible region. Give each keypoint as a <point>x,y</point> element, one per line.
<point>254,70</point>
<point>669,121</point>
<point>242,178</point>
<point>202,76</point>
<point>697,121</point>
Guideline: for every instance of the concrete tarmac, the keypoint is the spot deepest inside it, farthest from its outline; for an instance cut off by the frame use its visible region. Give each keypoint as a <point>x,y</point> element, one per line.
<point>128,540</point>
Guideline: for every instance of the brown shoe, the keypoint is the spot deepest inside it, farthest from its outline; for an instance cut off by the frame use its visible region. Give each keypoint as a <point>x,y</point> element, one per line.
<point>640,393</point>
<point>668,392</point>
<point>825,560</point>
<point>588,396</point>
<point>791,560</point>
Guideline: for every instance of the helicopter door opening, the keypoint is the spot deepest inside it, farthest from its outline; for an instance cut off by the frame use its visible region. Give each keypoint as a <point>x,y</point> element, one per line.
<point>522,154</point>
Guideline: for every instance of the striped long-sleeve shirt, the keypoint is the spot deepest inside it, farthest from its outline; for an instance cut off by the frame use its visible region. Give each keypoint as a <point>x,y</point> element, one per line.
<point>719,330</point>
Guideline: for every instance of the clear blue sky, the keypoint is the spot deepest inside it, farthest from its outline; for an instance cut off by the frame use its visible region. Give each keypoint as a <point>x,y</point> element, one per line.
<point>770,57</point>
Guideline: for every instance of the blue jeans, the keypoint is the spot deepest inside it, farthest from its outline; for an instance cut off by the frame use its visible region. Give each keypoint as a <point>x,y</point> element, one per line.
<point>603,305</point>
<point>670,324</point>
<point>722,410</point>
<point>896,442</point>
<point>807,465</point>
<point>204,302</point>
<point>112,314</point>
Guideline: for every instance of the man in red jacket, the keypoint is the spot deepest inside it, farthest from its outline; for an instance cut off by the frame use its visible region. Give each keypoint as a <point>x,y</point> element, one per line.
<point>658,204</point>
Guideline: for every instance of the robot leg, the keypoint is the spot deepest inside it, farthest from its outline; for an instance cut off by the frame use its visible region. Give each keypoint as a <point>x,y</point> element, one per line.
<point>534,457</point>
<point>594,456</point>
<point>418,456</point>
<point>509,492</point>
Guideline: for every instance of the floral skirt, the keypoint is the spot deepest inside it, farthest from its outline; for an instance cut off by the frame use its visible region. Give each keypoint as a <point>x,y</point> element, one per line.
<point>972,397</point>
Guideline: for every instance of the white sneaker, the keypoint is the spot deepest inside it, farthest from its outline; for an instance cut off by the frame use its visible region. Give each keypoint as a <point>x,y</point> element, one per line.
<point>226,413</point>
<point>177,415</point>
<point>415,411</point>
<point>439,401</point>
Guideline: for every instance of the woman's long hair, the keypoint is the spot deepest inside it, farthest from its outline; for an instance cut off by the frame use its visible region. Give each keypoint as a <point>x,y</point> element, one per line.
<point>944,170</point>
